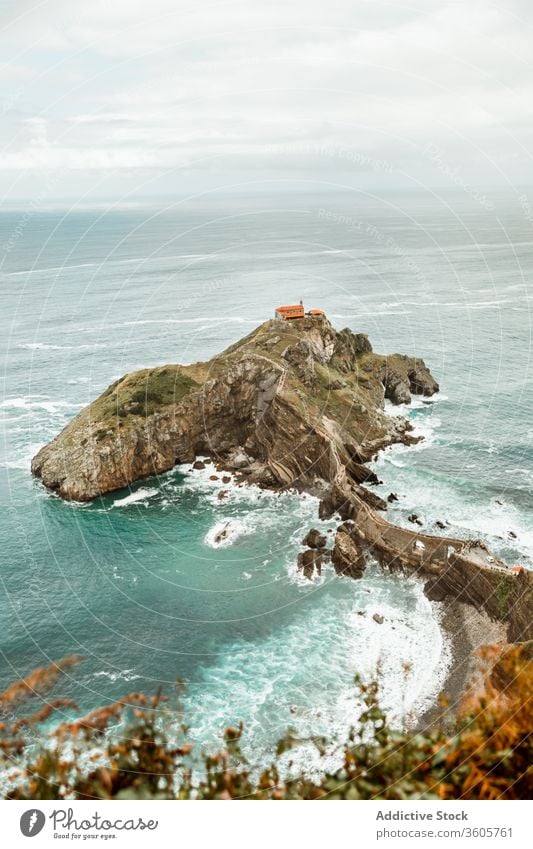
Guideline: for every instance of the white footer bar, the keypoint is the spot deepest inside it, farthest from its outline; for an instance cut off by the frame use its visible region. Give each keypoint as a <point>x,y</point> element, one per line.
<point>267,825</point>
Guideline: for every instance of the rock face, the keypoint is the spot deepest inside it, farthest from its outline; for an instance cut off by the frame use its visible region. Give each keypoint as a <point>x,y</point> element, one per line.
<point>293,404</point>
<point>405,376</point>
<point>264,408</point>
<point>348,557</point>
<point>311,560</point>
<point>314,539</point>
<point>505,597</point>
<point>451,567</point>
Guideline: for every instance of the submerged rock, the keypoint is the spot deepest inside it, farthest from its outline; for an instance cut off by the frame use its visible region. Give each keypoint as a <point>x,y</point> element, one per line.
<point>311,560</point>
<point>223,534</point>
<point>415,520</point>
<point>314,539</point>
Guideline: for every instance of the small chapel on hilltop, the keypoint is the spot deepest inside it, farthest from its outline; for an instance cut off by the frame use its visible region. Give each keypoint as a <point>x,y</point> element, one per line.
<point>288,313</point>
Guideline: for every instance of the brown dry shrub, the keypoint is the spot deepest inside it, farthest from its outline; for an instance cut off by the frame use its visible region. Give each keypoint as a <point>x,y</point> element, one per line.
<point>488,755</point>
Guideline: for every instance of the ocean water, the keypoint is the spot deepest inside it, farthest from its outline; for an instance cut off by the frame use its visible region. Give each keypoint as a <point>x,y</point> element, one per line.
<point>135,582</point>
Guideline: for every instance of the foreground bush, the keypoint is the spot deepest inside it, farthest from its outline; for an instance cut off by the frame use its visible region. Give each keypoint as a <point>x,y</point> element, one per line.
<point>487,754</point>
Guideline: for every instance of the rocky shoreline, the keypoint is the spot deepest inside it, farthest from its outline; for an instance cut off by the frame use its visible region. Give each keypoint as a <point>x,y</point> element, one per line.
<point>295,405</point>
<point>466,629</point>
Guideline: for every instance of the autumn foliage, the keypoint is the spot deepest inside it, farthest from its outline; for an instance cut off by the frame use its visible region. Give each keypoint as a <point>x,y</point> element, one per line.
<point>487,754</point>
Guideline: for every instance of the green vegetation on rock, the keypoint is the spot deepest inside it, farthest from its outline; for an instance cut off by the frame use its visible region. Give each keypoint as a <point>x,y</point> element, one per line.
<point>299,397</point>
<point>504,591</point>
<point>143,393</point>
<point>124,750</point>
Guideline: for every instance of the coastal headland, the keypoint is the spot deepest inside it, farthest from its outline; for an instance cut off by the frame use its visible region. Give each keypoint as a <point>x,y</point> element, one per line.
<point>295,404</point>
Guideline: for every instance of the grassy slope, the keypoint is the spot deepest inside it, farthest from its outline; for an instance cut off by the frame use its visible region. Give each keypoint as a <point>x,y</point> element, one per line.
<point>143,393</point>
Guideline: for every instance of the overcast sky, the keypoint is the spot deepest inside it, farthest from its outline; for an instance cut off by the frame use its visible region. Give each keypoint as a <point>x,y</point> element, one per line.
<point>138,97</point>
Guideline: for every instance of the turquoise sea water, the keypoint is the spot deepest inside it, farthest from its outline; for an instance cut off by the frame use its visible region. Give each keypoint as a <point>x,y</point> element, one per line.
<point>133,581</point>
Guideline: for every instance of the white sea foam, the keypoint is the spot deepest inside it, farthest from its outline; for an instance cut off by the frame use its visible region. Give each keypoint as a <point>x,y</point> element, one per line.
<point>414,638</point>
<point>235,492</point>
<point>21,459</point>
<point>38,402</point>
<point>108,263</point>
<point>44,346</point>
<point>197,320</point>
<point>436,498</point>
<point>27,271</point>
<point>298,578</point>
<point>27,416</point>
<point>496,523</point>
<point>139,495</point>
<point>425,425</point>
<point>302,675</point>
<point>230,319</point>
<point>225,533</point>
<point>123,675</point>
<point>18,409</point>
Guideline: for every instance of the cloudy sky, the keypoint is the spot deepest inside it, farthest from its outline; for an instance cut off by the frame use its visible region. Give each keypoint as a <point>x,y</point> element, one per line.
<point>139,97</point>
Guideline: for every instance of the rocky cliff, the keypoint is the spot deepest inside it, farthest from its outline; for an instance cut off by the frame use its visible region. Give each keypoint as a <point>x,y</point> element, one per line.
<point>452,568</point>
<point>507,598</point>
<point>292,404</point>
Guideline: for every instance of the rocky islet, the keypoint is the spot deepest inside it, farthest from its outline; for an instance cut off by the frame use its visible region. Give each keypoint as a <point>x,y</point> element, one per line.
<point>295,404</point>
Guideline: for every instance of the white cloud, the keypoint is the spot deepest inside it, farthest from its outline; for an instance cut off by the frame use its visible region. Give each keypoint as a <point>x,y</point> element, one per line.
<point>267,87</point>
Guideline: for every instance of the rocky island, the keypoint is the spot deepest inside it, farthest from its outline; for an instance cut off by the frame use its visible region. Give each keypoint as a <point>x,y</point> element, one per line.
<point>294,404</point>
